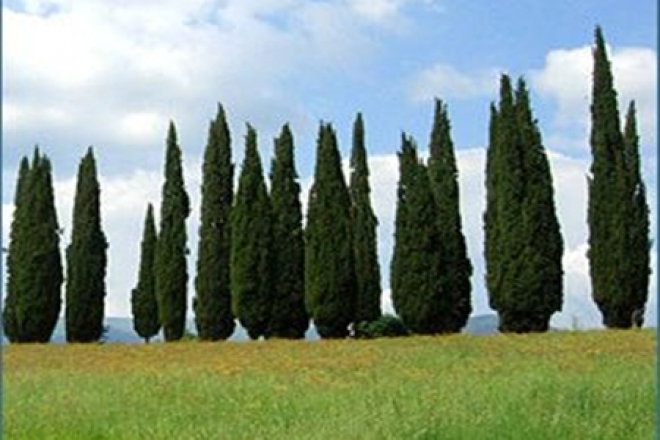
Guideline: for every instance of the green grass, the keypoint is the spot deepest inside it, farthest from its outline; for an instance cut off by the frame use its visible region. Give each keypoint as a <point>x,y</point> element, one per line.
<point>587,385</point>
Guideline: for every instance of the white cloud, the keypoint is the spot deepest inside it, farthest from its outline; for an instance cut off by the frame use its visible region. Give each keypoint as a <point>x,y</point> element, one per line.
<point>566,79</point>
<point>389,12</point>
<point>97,68</point>
<point>448,82</point>
<point>145,128</point>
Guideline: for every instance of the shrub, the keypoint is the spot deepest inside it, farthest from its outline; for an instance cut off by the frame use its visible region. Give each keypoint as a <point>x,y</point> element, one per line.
<point>387,326</point>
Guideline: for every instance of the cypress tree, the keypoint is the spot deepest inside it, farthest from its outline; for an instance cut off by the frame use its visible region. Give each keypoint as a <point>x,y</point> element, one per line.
<point>143,297</point>
<point>416,269</point>
<point>35,275</point>
<point>288,317</point>
<point>523,246</point>
<point>251,241</point>
<point>613,218</point>
<point>212,304</point>
<point>15,257</point>
<point>86,259</point>
<point>330,287</point>
<point>638,263</point>
<point>457,268</point>
<point>171,273</point>
<point>367,270</point>
<point>541,258</point>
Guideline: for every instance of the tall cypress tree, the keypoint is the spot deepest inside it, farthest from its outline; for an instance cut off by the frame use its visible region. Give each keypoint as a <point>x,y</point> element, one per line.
<point>638,263</point>
<point>212,304</point>
<point>330,287</point>
<point>251,240</point>
<point>416,274</point>
<point>523,246</point>
<point>86,259</point>
<point>15,257</point>
<point>367,269</point>
<point>288,317</point>
<point>457,268</point>
<point>144,306</point>
<point>541,258</point>
<point>611,214</point>
<point>35,273</point>
<point>170,260</point>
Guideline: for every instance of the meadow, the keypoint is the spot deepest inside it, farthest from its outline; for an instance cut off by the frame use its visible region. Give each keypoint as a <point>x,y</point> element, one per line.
<point>560,385</point>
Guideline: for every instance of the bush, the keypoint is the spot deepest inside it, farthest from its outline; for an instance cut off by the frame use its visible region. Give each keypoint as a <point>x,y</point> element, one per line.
<point>387,326</point>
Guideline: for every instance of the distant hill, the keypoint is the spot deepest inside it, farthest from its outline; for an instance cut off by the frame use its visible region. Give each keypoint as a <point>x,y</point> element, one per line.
<point>120,330</point>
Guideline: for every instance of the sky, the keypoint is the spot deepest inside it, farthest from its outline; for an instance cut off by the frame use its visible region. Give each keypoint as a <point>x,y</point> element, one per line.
<point>112,74</point>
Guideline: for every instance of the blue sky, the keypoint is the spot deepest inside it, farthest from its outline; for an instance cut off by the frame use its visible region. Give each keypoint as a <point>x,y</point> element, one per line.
<point>113,73</point>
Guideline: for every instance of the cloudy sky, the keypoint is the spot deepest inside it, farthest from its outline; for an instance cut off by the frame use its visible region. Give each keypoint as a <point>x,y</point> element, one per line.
<point>113,73</point>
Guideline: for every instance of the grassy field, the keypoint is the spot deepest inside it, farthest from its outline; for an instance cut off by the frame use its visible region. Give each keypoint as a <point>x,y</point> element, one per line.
<point>587,385</point>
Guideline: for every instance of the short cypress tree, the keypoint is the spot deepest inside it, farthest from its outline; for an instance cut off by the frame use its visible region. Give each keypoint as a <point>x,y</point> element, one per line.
<point>523,246</point>
<point>36,266</point>
<point>144,306</point>
<point>251,240</point>
<point>416,274</point>
<point>330,287</point>
<point>170,260</point>
<point>86,259</point>
<point>15,257</point>
<point>288,316</point>
<point>457,267</point>
<point>212,304</point>
<point>616,205</point>
<point>638,263</point>
<point>367,269</point>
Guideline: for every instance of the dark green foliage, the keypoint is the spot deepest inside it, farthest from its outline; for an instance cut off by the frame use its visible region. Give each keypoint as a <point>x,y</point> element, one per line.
<point>617,212</point>
<point>144,306</point>
<point>250,245</point>
<point>170,261</point>
<point>367,269</point>
<point>14,265</point>
<point>34,266</point>
<point>387,326</point>
<point>86,259</point>
<point>417,270</point>
<point>457,268</point>
<point>523,246</point>
<point>288,317</point>
<point>638,263</point>
<point>212,304</point>
<point>330,287</point>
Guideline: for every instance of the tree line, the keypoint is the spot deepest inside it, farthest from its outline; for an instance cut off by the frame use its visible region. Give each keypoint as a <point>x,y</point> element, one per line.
<point>258,264</point>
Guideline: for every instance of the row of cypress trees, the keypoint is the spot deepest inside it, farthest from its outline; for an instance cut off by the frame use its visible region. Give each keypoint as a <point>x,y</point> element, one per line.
<point>34,266</point>
<point>257,264</point>
<point>430,270</point>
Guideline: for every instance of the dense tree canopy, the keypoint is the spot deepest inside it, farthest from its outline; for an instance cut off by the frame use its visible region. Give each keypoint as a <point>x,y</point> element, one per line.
<point>523,247</point>
<point>251,268</point>
<point>34,264</point>
<point>86,259</point>
<point>171,250</point>
<point>365,243</point>
<point>288,318</point>
<point>212,303</point>
<point>417,273</point>
<point>330,286</point>
<point>144,305</point>
<point>456,265</point>
<point>618,211</point>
